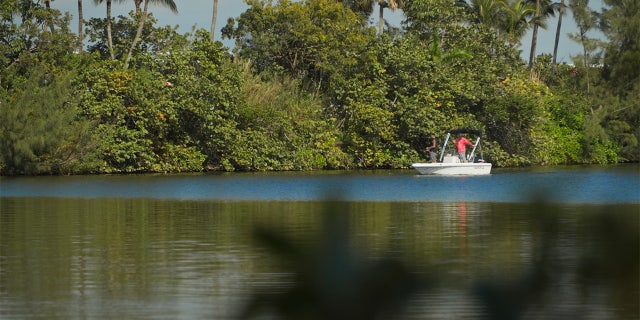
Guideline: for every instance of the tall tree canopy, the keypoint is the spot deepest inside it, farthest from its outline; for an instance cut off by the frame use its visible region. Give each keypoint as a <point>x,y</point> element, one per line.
<point>312,86</point>
<point>621,24</point>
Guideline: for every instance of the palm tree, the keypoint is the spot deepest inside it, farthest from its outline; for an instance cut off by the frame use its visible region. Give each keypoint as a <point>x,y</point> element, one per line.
<point>109,38</point>
<point>534,37</point>
<point>544,9</point>
<point>80,22</point>
<point>168,3</point>
<point>365,8</point>
<point>391,4</point>
<point>555,45</point>
<point>138,4</point>
<point>516,22</point>
<point>488,11</point>
<point>213,19</point>
<point>508,18</point>
<point>440,57</point>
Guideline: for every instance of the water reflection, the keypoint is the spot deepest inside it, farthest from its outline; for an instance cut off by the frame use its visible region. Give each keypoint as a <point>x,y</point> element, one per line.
<point>462,223</point>
<point>161,259</point>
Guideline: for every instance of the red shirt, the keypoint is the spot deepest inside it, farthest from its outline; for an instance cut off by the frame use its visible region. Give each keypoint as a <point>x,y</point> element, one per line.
<point>460,144</point>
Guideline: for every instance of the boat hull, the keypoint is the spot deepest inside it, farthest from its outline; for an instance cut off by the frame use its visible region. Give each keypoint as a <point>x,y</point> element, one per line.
<point>453,168</point>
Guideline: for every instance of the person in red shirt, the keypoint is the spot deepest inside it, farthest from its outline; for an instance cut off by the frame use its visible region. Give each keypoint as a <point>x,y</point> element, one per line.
<point>461,144</point>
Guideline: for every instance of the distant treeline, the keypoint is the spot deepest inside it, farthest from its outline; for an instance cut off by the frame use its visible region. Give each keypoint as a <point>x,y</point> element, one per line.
<point>310,85</point>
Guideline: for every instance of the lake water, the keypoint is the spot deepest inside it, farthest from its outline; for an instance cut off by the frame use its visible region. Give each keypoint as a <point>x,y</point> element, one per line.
<point>593,185</point>
<point>551,243</point>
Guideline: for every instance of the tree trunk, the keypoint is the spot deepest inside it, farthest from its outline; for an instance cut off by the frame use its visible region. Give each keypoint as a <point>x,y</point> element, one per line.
<point>585,57</point>
<point>555,45</point>
<point>534,44</point>
<point>109,39</point>
<point>143,18</point>
<point>534,37</point>
<point>137,4</point>
<point>47,22</point>
<point>381,16</point>
<point>213,19</point>
<point>80,26</point>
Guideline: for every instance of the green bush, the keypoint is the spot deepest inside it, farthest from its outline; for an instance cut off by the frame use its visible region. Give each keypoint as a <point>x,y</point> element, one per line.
<point>39,132</point>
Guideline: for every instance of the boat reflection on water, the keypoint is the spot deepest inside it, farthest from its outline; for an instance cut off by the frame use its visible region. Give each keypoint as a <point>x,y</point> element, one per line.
<point>457,216</point>
<point>462,223</point>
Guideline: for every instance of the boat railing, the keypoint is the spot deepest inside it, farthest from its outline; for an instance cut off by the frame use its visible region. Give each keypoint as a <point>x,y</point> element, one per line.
<point>470,156</point>
<point>444,146</point>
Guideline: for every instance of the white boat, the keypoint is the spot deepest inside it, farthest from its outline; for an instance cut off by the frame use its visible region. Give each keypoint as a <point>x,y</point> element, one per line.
<point>459,168</point>
<point>449,163</point>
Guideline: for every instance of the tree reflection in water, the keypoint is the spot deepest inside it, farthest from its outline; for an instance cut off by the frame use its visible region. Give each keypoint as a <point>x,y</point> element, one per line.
<point>330,281</point>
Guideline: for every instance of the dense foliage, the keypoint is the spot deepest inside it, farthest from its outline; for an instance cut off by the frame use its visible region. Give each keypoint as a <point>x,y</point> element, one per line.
<point>310,86</point>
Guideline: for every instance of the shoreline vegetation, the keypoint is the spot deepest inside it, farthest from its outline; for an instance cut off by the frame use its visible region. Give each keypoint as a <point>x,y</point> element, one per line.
<point>309,86</point>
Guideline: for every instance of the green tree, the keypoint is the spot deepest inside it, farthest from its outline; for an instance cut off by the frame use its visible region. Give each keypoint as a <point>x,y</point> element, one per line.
<point>122,31</point>
<point>510,19</point>
<point>315,87</point>
<point>315,40</point>
<point>364,8</point>
<point>460,73</point>
<point>142,19</point>
<point>518,19</point>
<point>488,12</point>
<point>586,19</point>
<point>283,128</point>
<point>37,127</point>
<point>49,24</point>
<point>599,121</point>
<point>621,24</point>
<point>26,43</point>
<point>175,111</point>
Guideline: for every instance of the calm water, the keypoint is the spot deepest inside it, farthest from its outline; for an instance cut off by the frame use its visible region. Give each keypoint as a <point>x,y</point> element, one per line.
<point>185,246</point>
<point>581,185</point>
